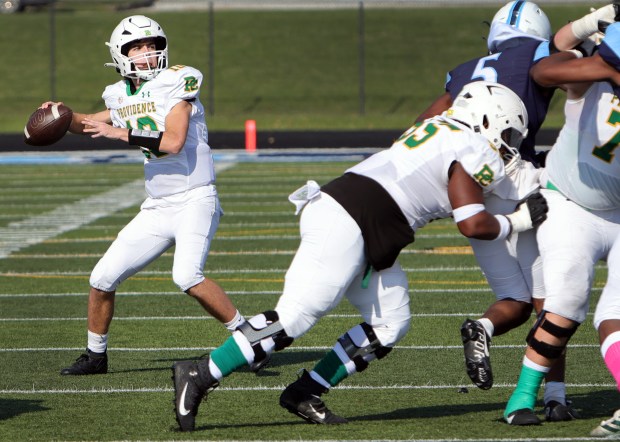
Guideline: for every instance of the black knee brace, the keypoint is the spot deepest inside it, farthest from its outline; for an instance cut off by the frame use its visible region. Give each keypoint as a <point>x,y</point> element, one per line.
<point>357,354</point>
<point>544,349</point>
<point>273,330</point>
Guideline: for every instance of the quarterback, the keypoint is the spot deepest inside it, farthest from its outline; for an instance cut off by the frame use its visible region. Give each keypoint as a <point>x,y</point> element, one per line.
<point>352,231</point>
<point>156,108</point>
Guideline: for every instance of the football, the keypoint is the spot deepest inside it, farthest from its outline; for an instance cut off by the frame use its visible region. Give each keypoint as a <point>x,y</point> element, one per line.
<point>47,126</point>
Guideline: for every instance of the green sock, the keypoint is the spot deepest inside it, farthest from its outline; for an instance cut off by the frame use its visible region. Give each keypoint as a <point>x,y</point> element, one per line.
<point>526,392</point>
<point>228,357</point>
<point>331,369</point>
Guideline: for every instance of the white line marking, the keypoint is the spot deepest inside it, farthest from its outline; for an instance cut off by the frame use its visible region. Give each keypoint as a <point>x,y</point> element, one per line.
<point>210,318</point>
<point>290,349</point>
<point>36,229</point>
<point>225,237</point>
<point>275,388</point>
<point>237,292</point>
<point>222,271</point>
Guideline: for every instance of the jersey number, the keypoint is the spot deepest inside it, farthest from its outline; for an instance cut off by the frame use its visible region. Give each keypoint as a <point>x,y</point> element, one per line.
<point>421,133</point>
<point>483,72</point>
<point>606,151</point>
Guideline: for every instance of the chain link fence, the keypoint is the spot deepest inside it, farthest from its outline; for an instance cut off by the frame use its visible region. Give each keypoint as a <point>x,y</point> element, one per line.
<point>291,64</point>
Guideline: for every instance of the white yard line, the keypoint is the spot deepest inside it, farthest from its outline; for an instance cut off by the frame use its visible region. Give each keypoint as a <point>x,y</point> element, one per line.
<point>236,292</point>
<point>274,388</point>
<point>36,229</point>
<point>440,269</point>
<point>210,318</point>
<point>290,349</point>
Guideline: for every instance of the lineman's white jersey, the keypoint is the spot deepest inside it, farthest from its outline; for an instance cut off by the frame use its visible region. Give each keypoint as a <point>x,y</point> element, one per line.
<point>415,169</point>
<point>146,109</point>
<point>583,164</point>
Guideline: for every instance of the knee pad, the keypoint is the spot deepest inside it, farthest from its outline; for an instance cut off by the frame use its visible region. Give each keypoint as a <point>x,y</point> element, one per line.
<point>265,334</point>
<point>545,349</point>
<point>361,346</point>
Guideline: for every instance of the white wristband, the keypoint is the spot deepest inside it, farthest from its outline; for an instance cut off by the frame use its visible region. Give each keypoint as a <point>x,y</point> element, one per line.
<point>505,227</point>
<point>577,53</point>
<point>466,211</point>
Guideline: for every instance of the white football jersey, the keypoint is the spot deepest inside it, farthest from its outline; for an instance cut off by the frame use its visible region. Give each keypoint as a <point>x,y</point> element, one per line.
<point>146,109</point>
<point>583,164</point>
<point>415,169</point>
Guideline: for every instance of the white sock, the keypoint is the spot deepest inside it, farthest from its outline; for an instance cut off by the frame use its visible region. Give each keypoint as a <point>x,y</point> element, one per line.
<point>555,391</point>
<point>97,343</point>
<point>488,325</point>
<point>215,371</point>
<point>235,322</point>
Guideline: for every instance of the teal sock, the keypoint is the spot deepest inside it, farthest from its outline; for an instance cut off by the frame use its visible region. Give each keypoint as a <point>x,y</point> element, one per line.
<point>331,369</point>
<point>526,392</point>
<point>228,357</point>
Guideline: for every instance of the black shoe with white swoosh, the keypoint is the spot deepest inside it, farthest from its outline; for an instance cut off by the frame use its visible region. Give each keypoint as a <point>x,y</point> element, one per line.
<point>300,398</point>
<point>189,390</point>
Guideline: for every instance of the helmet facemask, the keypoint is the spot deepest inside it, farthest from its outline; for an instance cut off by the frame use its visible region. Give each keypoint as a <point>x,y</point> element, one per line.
<point>511,140</point>
<point>148,72</point>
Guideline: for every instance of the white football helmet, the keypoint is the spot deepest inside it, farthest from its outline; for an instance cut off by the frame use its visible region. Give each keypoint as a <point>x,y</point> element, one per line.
<point>130,29</point>
<point>525,16</point>
<point>494,111</point>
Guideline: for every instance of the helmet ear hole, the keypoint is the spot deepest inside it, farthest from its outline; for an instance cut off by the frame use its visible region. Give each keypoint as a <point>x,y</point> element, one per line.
<point>485,122</point>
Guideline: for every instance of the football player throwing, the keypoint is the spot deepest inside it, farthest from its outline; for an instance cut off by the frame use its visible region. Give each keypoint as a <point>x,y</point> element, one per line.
<point>155,107</point>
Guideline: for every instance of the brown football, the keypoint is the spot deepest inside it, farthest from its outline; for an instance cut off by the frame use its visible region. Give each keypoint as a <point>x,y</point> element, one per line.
<point>47,126</point>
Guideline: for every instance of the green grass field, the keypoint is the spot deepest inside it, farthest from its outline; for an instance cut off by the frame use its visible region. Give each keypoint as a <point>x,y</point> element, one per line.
<point>413,394</point>
<point>285,69</point>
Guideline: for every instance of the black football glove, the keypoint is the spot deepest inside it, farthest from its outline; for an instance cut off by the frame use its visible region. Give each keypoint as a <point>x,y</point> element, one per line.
<point>530,213</point>
<point>602,24</point>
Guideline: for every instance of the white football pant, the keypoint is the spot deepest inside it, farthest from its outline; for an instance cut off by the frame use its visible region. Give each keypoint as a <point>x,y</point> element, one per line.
<point>513,267</point>
<point>571,241</point>
<point>329,264</point>
<point>608,306</point>
<point>189,220</point>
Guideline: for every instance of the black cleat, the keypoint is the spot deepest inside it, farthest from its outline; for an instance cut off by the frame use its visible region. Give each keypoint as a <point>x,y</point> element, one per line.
<point>257,366</point>
<point>189,389</point>
<point>298,398</point>
<point>88,363</point>
<point>523,416</point>
<point>557,412</point>
<point>476,343</point>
